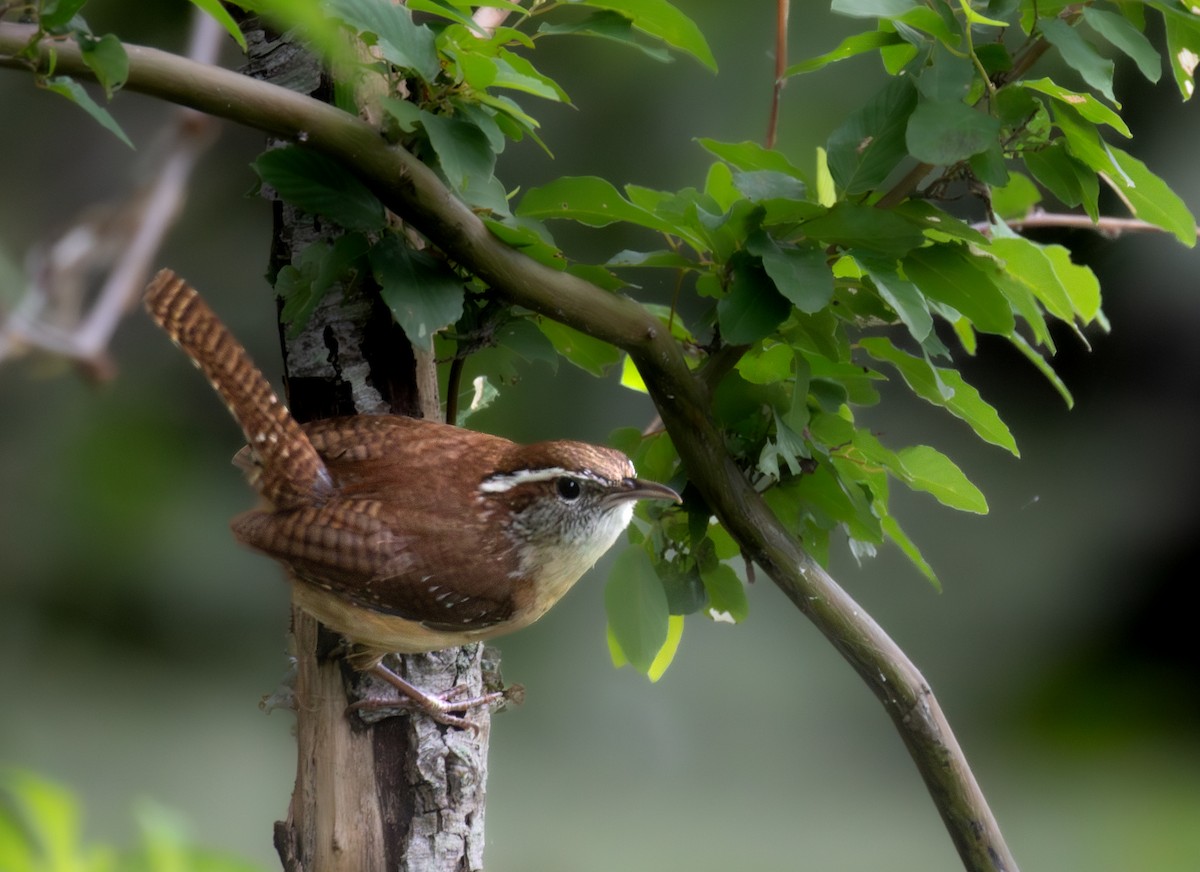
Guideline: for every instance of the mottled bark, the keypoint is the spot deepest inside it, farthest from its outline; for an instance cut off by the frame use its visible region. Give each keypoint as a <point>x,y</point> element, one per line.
<point>401,792</point>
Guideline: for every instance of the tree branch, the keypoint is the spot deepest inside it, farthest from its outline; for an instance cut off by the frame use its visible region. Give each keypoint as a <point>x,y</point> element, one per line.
<point>409,188</point>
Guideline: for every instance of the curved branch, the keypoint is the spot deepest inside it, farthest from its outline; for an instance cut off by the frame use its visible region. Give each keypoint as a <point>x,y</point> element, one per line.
<point>409,188</point>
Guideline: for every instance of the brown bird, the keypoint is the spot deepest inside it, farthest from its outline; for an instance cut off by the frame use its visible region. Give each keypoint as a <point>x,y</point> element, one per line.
<point>402,534</point>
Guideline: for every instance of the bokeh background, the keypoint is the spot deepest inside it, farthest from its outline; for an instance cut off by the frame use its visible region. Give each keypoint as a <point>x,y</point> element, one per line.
<point>136,638</point>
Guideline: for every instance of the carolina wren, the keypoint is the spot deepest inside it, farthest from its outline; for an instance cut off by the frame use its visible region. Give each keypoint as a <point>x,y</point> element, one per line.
<point>402,534</point>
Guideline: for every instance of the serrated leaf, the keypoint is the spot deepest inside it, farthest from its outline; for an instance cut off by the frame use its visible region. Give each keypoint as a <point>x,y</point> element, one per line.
<point>73,91</point>
<point>944,387</point>
<point>463,151</point>
<point>637,609</point>
<point>663,21</point>
<point>865,149</point>
<point>322,186</point>
<point>949,274</point>
<point>302,286</point>
<point>1079,54</point>
<point>423,294</point>
<point>947,132</point>
<point>927,469</point>
<point>214,10</point>
<point>1118,30</point>
<point>752,308</point>
<point>403,43</point>
<point>800,272</point>
<point>849,47</point>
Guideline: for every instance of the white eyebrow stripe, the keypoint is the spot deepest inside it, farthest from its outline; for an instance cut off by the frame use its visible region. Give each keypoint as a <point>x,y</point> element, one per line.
<point>506,481</point>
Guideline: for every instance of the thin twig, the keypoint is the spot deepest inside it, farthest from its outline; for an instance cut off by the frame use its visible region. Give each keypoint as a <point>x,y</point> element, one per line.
<point>781,53</point>
<point>1105,225</point>
<point>117,241</point>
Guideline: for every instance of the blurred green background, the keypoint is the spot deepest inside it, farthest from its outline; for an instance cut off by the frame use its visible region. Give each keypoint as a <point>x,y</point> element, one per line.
<point>136,638</point>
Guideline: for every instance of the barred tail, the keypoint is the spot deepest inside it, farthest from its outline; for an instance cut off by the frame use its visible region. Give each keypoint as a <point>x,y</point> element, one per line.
<point>292,471</point>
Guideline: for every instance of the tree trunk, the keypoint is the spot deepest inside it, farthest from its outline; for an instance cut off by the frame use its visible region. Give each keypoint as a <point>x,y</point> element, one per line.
<point>400,792</point>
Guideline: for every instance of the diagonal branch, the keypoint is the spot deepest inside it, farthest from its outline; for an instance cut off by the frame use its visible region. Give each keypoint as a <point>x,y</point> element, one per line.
<point>411,189</point>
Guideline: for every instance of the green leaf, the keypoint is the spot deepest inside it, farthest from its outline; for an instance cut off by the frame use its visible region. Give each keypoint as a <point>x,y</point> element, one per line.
<point>872,8</point>
<point>948,77</point>
<point>1183,46</point>
<point>1044,367</point>
<point>666,654</point>
<point>423,294</point>
<point>891,527</point>
<point>1067,178</point>
<point>587,199</point>
<point>403,43</point>
<point>1015,199</point>
<point>106,58</point>
<point>661,258</point>
<point>217,12</point>
<point>637,608</point>
<point>829,497</point>
<point>57,14</point>
<point>944,387</point>
<point>662,20</point>
<point>590,355</point>
<point>947,132</point>
<point>320,266</point>
<point>1120,32</point>
<point>854,226</point>
<point>1027,262</point>
<point>865,149</point>
<point>1151,198</point>
<point>1079,54</point>
<point>767,365</point>
<point>849,47</point>
<point>926,469</point>
<point>463,151</point>
<point>726,593</point>
<point>1085,104</point>
<point>907,302</point>
<point>750,156</point>
<point>322,186</point>
<point>607,25</point>
<point>753,308</point>
<point>947,273</point>
<point>801,273</point>
<point>73,91</point>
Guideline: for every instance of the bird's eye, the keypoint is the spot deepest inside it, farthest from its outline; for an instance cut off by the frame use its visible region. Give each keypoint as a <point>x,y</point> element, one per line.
<point>567,487</point>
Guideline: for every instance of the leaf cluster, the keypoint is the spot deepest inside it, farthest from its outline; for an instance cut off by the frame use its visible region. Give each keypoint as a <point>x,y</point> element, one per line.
<point>796,291</point>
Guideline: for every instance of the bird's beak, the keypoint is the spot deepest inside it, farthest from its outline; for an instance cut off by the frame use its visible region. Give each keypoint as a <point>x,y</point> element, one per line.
<point>642,489</point>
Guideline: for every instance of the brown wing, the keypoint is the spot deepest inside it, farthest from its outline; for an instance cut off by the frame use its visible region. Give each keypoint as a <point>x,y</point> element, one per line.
<point>363,552</point>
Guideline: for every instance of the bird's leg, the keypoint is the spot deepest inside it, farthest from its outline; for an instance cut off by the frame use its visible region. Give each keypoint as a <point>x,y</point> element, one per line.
<point>441,707</point>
